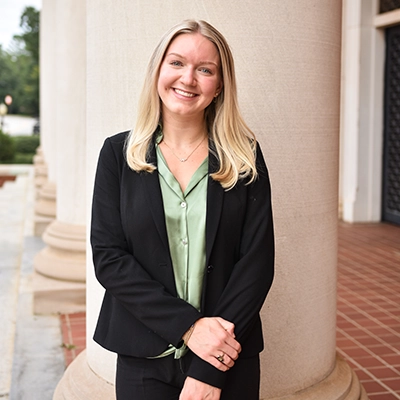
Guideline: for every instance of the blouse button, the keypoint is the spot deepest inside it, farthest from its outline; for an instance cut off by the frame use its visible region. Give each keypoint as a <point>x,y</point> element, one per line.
<point>184,241</point>
<point>183,204</point>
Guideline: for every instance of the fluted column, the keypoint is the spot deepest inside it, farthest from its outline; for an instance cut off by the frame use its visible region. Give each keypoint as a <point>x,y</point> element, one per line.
<point>288,65</point>
<point>45,169</point>
<point>64,257</point>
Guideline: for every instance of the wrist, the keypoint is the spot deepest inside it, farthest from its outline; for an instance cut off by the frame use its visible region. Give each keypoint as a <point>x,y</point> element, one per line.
<point>186,336</point>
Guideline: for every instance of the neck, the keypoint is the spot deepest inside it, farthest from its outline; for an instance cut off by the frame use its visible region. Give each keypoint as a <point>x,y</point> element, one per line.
<point>183,132</point>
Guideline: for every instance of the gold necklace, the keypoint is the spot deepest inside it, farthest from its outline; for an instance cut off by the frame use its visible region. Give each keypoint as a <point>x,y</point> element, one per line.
<point>186,158</point>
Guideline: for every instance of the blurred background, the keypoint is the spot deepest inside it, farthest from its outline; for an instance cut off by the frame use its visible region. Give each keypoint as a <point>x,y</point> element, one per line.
<point>19,80</point>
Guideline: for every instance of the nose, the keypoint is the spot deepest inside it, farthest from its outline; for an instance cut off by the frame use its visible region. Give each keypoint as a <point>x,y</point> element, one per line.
<point>188,77</point>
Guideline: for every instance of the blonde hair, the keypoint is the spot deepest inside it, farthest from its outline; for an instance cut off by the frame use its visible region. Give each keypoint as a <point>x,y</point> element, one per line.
<point>233,141</point>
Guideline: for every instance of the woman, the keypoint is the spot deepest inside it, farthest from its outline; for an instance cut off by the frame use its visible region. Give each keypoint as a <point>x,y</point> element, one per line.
<point>182,232</point>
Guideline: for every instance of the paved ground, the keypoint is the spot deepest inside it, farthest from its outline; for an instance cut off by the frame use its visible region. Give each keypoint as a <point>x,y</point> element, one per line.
<point>368,318</point>
<point>32,360</point>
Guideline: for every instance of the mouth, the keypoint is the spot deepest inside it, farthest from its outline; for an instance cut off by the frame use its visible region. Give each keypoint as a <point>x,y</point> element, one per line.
<point>184,93</point>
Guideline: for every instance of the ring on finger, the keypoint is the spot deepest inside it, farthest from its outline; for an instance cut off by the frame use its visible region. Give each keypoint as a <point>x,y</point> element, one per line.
<point>220,358</point>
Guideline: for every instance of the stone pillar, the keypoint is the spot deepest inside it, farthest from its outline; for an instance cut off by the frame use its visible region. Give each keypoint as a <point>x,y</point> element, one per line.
<point>40,170</point>
<point>362,112</point>
<point>45,206</point>
<point>62,264</point>
<point>288,66</point>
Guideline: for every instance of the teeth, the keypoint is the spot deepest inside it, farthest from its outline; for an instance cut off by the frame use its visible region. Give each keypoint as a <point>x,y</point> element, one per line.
<point>186,94</point>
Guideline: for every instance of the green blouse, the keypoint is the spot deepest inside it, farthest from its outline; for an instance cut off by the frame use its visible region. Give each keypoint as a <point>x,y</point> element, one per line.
<point>185,218</point>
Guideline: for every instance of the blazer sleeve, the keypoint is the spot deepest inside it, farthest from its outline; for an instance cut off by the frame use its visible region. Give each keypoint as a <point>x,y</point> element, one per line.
<point>115,266</point>
<point>252,275</point>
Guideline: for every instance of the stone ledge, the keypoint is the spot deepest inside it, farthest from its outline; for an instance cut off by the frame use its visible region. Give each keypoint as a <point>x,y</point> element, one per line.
<point>341,384</point>
<point>52,296</point>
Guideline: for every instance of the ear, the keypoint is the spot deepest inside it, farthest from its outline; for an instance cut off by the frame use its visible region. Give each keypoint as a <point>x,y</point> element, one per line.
<point>219,88</point>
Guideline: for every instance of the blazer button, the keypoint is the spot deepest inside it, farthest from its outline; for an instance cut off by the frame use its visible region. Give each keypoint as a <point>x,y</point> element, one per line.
<point>210,268</point>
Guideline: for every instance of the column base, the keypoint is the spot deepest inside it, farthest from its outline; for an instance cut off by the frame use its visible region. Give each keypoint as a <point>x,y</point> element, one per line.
<point>79,382</point>
<point>40,178</point>
<point>60,270</point>
<point>65,255</point>
<point>40,223</point>
<point>51,296</point>
<point>40,168</point>
<point>45,208</point>
<point>341,384</point>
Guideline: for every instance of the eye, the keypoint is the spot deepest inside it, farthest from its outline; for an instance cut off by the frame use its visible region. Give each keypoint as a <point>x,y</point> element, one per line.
<point>176,63</point>
<point>205,70</point>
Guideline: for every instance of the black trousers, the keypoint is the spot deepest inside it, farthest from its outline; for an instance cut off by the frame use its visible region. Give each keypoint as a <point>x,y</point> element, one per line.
<point>163,378</point>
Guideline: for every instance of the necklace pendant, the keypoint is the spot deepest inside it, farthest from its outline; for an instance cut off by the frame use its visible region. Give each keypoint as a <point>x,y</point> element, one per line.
<point>187,158</point>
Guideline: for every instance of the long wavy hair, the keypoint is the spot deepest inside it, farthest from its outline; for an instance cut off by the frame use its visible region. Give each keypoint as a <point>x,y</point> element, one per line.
<point>231,139</point>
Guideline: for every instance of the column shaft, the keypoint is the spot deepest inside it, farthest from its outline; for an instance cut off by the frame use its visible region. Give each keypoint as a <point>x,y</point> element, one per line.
<point>45,207</point>
<point>63,261</point>
<point>288,66</point>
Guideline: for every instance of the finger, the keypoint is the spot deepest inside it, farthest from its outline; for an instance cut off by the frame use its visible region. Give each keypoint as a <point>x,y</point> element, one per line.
<point>230,353</point>
<point>228,326</point>
<point>227,336</point>
<point>228,345</point>
<point>226,359</point>
<point>233,344</point>
<point>218,364</point>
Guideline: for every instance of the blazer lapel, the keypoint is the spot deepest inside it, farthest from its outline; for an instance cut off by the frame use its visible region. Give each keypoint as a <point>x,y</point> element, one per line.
<point>215,197</point>
<point>153,190</point>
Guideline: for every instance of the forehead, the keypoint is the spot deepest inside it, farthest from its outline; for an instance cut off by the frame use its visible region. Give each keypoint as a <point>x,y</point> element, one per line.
<point>194,45</point>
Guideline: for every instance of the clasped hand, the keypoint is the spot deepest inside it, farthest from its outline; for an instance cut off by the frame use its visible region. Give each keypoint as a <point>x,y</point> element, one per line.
<point>213,340</point>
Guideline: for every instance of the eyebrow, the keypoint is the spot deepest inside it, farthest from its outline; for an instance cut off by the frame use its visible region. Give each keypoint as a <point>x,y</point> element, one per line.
<point>201,62</point>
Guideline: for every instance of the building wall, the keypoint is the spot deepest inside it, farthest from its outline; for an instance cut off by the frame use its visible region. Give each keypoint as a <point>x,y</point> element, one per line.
<point>362,109</point>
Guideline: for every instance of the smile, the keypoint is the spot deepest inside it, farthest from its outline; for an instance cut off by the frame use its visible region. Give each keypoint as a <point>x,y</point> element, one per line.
<point>183,93</point>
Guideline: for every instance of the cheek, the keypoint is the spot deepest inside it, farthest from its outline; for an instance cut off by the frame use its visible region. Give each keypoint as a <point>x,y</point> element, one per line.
<point>160,82</point>
<point>162,85</point>
<point>211,88</point>
<point>162,79</point>
<point>166,77</point>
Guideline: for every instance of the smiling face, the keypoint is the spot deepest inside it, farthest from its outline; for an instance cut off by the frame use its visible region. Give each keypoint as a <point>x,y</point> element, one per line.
<point>189,76</point>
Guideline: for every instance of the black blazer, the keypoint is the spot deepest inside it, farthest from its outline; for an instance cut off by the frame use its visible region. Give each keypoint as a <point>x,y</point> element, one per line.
<point>141,313</point>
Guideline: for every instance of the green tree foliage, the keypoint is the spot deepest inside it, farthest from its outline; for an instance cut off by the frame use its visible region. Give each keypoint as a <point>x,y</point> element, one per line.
<point>30,22</point>
<point>17,149</point>
<point>26,144</point>
<point>7,148</point>
<point>25,148</point>
<point>9,80</point>
<point>19,68</point>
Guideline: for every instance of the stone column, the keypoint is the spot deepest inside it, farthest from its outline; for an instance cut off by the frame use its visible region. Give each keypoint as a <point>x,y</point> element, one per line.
<point>62,264</point>
<point>288,66</point>
<point>40,170</point>
<point>45,168</point>
<point>362,112</point>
